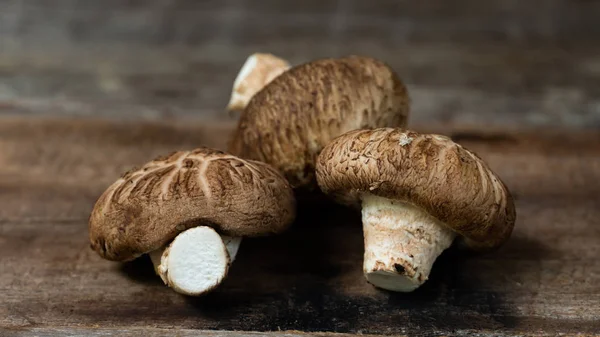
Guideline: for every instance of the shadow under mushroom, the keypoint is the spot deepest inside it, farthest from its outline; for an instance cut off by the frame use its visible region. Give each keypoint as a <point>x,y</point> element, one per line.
<point>298,281</point>
<point>140,271</point>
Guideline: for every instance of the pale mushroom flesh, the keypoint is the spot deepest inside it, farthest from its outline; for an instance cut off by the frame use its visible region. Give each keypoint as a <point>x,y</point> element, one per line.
<point>258,71</point>
<point>401,241</point>
<point>196,261</point>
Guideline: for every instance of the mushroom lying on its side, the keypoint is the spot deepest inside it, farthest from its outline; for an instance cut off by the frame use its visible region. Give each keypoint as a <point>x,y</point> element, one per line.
<point>258,71</point>
<point>288,122</point>
<point>417,192</point>
<point>189,211</point>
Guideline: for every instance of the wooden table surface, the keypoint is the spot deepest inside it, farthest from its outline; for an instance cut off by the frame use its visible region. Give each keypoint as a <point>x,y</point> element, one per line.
<point>546,279</point>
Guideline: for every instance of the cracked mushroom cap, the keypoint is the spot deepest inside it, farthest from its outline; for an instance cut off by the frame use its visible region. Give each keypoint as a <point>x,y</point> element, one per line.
<point>429,171</point>
<point>289,121</point>
<point>146,208</point>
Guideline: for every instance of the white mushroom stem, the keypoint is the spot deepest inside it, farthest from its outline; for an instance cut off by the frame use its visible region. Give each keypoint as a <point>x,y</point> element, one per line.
<point>258,71</point>
<point>196,261</point>
<point>402,242</point>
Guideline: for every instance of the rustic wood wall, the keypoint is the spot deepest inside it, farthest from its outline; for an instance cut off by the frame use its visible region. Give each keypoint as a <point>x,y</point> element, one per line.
<point>500,62</point>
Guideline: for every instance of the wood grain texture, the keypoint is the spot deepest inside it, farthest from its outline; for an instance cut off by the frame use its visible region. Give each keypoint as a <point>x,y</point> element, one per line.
<point>155,332</point>
<point>502,62</point>
<point>546,278</point>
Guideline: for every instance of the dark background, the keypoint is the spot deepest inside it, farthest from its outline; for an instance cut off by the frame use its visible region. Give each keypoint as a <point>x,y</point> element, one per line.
<point>508,63</point>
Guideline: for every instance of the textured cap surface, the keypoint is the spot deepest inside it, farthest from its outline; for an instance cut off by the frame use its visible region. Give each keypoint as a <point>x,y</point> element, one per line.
<point>148,207</point>
<point>429,171</point>
<point>288,122</point>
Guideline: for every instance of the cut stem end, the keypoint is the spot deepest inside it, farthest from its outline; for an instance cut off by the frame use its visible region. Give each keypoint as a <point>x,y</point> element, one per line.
<point>197,260</point>
<point>401,243</point>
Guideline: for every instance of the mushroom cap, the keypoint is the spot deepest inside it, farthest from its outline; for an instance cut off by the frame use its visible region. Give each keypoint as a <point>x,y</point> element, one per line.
<point>429,171</point>
<point>147,207</point>
<point>290,120</point>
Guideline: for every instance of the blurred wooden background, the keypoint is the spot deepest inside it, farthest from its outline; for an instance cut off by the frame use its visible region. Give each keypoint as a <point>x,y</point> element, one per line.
<point>501,62</point>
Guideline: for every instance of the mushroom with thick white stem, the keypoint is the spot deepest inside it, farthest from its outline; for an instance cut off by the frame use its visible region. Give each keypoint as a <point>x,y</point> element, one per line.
<point>417,193</point>
<point>258,71</point>
<point>189,211</point>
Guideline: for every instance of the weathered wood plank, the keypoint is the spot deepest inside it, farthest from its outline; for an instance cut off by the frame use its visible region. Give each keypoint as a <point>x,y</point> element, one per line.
<point>513,63</point>
<point>245,21</point>
<point>544,280</point>
<point>458,84</point>
<point>153,332</point>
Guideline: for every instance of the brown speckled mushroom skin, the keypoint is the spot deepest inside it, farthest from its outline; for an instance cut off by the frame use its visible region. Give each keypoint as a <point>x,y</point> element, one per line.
<point>430,171</point>
<point>289,122</point>
<point>147,207</point>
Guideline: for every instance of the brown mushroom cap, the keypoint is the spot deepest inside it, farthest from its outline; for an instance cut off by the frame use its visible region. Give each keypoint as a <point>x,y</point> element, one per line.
<point>429,171</point>
<point>288,122</point>
<point>146,208</point>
